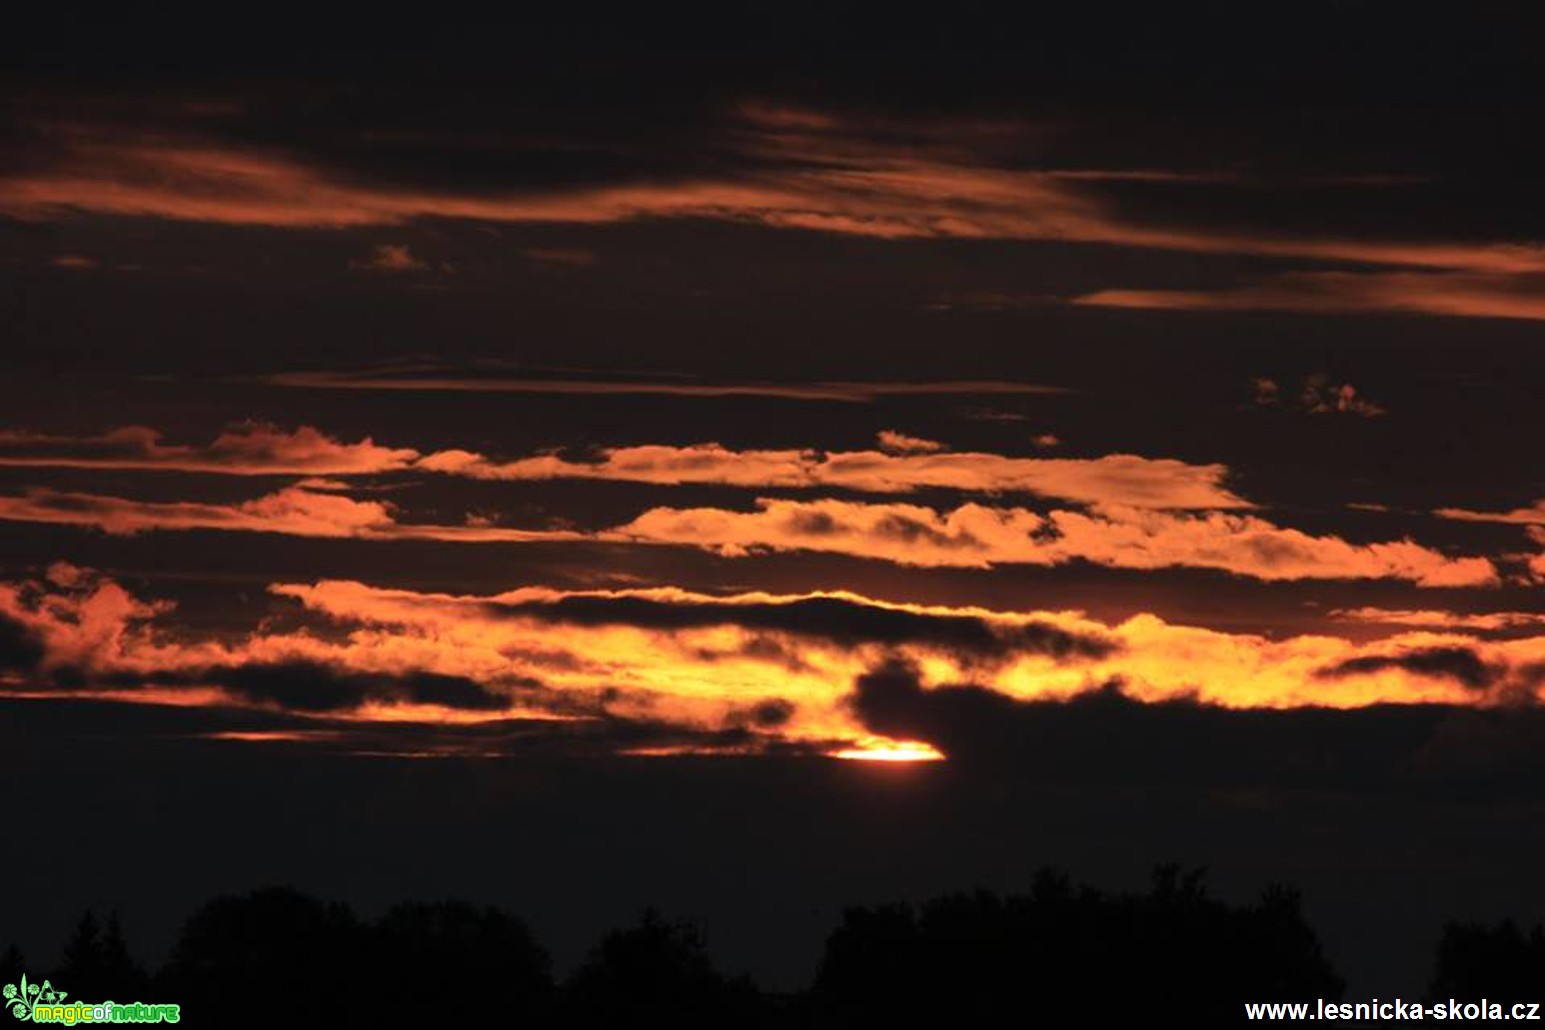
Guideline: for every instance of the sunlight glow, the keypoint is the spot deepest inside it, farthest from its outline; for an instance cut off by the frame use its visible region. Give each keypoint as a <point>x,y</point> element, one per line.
<point>891,751</point>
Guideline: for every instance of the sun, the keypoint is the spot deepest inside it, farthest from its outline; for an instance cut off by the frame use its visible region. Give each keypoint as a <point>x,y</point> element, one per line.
<point>881,750</point>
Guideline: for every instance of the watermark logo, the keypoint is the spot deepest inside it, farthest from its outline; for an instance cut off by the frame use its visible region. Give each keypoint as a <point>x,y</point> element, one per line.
<point>44,1003</point>
<point>24,999</point>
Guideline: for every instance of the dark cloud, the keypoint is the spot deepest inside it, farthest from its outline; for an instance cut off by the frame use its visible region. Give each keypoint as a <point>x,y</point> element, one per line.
<point>312,687</point>
<point>961,721</point>
<point>1104,736</point>
<point>762,647</point>
<point>828,618</point>
<point>771,713</point>
<point>308,687</point>
<point>20,649</point>
<point>1456,663</point>
<point>318,723</point>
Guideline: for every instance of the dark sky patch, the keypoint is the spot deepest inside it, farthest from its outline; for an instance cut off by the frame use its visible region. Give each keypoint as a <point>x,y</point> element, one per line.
<point>20,649</point>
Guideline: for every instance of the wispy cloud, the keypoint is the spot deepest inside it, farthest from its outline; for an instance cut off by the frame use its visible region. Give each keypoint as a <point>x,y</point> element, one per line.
<point>830,176</point>
<point>852,392</point>
<point>1532,515</point>
<point>1469,294</point>
<point>562,257</point>
<point>293,511</point>
<point>252,448</point>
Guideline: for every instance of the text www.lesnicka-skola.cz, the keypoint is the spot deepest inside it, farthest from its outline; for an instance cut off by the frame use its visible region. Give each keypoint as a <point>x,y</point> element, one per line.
<point>1392,1010</point>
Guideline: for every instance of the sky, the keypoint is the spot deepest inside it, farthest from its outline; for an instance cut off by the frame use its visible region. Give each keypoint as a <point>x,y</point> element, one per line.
<point>771,461</point>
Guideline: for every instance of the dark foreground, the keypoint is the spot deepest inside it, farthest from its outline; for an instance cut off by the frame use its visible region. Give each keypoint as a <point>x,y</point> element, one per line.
<point>1061,951</point>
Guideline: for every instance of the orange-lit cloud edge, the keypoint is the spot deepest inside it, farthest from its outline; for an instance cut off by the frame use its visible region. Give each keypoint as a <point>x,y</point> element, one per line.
<point>746,672</point>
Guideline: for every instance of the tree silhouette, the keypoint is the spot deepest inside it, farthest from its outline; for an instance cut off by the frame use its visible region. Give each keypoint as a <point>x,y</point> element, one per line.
<point>1065,952</point>
<point>869,962</point>
<point>96,962</point>
<point>489,954</point>
<point>1061,952</point>
<point>657,971</point>
<point>1475,960</point>
<point>246,961</point>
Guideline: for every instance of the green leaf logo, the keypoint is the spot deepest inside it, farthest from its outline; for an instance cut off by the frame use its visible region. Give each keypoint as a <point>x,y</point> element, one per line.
<point>22,999</point>
<point>19,998</point>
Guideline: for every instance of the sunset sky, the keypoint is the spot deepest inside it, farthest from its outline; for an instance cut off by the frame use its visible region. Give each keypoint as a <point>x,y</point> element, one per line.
<point>1128,423</point>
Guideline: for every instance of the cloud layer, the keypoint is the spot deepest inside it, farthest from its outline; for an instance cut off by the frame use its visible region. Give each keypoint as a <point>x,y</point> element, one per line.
<point>739,671</point>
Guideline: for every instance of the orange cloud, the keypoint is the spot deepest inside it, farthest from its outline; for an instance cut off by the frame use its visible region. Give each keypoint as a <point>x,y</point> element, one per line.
<point>74,262</point>
<point>901,464</point>
<point>892,442</point>
<point>292,511</point>
<point>252,448</point>
<point>1483,293</point>
<point>977,536</point>
<point>79,619</point>
<point>390,257</point>
<point>1114,478</point>
<point>830,178</point>
<point>1533,515</point>
<point>90,637</point>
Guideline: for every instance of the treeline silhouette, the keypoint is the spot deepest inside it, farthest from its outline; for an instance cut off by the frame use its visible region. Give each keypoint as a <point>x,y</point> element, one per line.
<point>1061,951</point>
